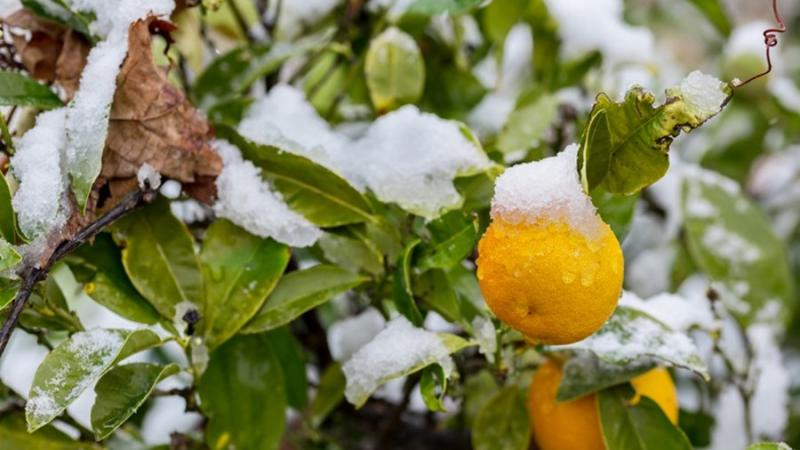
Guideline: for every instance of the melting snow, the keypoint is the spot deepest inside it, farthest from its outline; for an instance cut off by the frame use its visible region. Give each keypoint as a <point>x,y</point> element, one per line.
<point>406,157</point>
<point>397,349</point>
<point>247,200</point>
<point>546,190</point>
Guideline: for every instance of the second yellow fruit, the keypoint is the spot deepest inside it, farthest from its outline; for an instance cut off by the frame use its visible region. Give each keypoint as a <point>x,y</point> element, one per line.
<point>575,425</point>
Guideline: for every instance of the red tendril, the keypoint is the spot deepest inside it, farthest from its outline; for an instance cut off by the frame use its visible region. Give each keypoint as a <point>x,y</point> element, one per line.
<point>770,40</point>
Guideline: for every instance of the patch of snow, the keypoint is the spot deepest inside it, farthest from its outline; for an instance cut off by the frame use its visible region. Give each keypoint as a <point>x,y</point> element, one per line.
<point>729,423</point>
<point>39,201</point>
<point>769,408</point>
<point>396,349</point>
<point>247,200</point>
<point>295,15</point>
<point>168,415</point>
<point>485,333</point>
<point>650,272</point>
<point>785,92</point>
<point>190,211</point>
<point>549,191</point>
<point>702,93</point>
<point>676,311</point>
<point>171,189</point>
<point>148,177</point>
<point>747,39</point>
<point>729,246</point>
<point>346,336</point>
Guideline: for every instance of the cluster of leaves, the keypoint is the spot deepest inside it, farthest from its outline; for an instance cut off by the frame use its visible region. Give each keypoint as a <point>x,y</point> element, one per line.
<point>250,314</point>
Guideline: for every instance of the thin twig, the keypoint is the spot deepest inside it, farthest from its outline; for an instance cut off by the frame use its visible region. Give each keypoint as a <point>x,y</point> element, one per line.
<point>240,20</point>
<point>770,40</point>
<point>32,275</point>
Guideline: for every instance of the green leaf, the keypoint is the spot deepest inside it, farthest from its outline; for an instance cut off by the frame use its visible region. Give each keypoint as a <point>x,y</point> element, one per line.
<point>352,249</point>
<point>502,424</point>
<point>478,390</point>
<point>453,238</point>
<point>642,426</point>
<point>240,271</point>
<point>632,336</point>
<point>77,363</point>
<point>301,291</point>
<point>625,146</point>
<point>290,354</point>
<point>769,446</point>
<point>715,13</point>
<point>17,89</point>
<point>437,292</point>
<point>159,257</point>
<point>106,282</point>
<point>8,219</point>
<point>243,395</point>
<point>402,291</point>
<point>525,128</point>
<point>615,210</point>
<point>323,197</point>
<point>14,436</point>
<point>394,70</point>
<point>330,393</point>
<point>8,290</point>
<point>585,373</point>
<point>730,239</point>
<point>232,74</point>
<point>8,256</point>
<point>121,392</point>
<point>429,8</point>
<point>433,377</point>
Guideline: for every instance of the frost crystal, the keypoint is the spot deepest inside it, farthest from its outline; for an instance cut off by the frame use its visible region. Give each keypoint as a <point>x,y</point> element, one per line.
<point>87,114</point>
<point>399,348</point>
<point>703,93</point>
<point>37,167</point>
<point>247,200</point>
<point>406,157</point>
<point>148,177</point>
<point>547,191</point>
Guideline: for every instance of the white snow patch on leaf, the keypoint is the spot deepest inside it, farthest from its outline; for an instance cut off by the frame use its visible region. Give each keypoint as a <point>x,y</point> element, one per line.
<point>247,200</point>
<point>406,157</point>
<point>703,94</point>
<point>728,245</point>
<point>486,334</point>
<point>676,311</point>
<point>39,201</point>
<point>346,336</point>
<point>546,191</point>
<point>401,348</point>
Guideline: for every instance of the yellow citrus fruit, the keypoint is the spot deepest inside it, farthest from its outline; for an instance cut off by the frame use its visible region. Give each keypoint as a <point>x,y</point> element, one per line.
<point>551,282</point>
<point>575,425</point>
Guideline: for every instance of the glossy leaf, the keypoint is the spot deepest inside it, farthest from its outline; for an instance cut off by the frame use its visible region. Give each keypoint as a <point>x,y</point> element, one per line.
<point>301,291</point>
<point>402,290</point>
<point>502,424</point>
<point>395,71</point>
<point>17,89</point>
<point>8,290</point>
<point>9,257</point>
<point>14,436</point>
<point>730,240</point>
<point>585,373</point>
<point>616,210</point>
<point>435,289</point>
<point>640,426</point>
<point>330,393</point>
<point>430,8</point>
<point>121,392</point>
<point>352,250</point>
<point>290,354</point>
<point>714,10</point>
<point>240,272</point>
<point>77,363</point>
<point>624,148</point>
<point>453,238</point>
<point>527,125</point>
<point>433,379</point>
<point>159,257</point>
<point>242,392</point>
<point>323,197</point>
<point>8,219</point>
<point>99,266</point>
<point>632,336</point>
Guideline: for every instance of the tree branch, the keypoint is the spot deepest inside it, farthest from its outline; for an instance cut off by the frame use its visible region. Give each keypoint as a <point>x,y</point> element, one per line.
<point>34,274</point>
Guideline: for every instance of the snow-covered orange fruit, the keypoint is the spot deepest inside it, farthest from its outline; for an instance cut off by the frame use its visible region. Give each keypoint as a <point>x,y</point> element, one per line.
<point>548,266</point>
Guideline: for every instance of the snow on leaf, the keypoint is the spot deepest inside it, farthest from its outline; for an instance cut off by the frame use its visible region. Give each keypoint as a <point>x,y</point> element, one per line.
<point>400,349</point>
<point>632,335</point>
<point>75,365</point>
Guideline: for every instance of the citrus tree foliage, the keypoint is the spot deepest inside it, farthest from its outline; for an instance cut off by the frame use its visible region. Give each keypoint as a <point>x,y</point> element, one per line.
<point>298,188</point>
